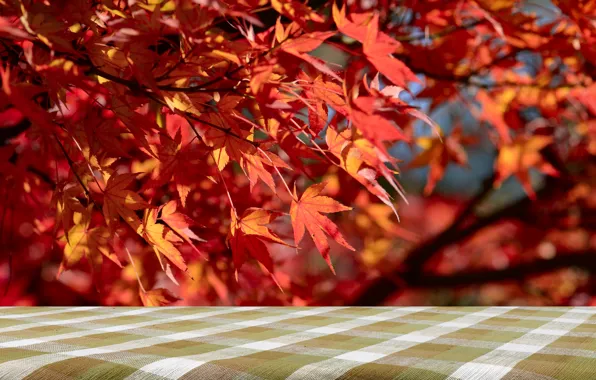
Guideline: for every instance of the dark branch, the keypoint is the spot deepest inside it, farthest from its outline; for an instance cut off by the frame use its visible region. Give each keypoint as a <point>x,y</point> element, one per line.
<point>372,295</point>
<point>585,260</point>
<point>412,272</point>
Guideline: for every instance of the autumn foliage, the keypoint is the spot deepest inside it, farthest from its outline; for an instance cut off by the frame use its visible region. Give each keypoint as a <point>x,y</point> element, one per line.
<point>243,152</point>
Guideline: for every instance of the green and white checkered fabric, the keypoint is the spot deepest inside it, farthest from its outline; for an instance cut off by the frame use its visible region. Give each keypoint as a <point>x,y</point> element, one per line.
<point>418,343</point>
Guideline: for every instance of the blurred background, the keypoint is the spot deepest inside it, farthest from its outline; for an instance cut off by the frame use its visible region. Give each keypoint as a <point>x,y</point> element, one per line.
<point>528,65</point>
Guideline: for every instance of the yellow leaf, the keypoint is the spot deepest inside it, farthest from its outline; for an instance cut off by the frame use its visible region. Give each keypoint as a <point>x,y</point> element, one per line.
<point>75,28</point>
<point>229,56</point>
<point>376,250</point>
<point>254,222</point>
<point>115,12</point>
<point>520,156</point>
<point>181,102</point>
<point>120,202</point>
<point>91,243</point>
<point>161,238</point>
<point>157,297</point>
<point>307,214</point>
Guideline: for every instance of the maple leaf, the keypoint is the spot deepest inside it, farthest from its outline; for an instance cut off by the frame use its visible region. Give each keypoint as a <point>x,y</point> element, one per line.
<point>90,89</point>
<point>492,112</point>
<point>238,147</point>
<point>438,153</point>
<point>375,126</point>
<point>378,52</point>
<point>181,102</point>
<point>381,215</point>
<point>157,297</point>
<point>168,159</point>
<point>180,224</point>
<point>248,235</point>
<point>354,153</point>
<point>317,118</point>
<point>297,151</point>
<point>120,202</point>
<point>387,100</point>
<point>67,204</point>
<point>296,11</point>
<point>306,213</point>
<point>160,237</point>
<point>300,46</point>
<point>177,164</point>
<point>91,243</point>
<point>377,46</point>
<point>20,95</point>
<point>518,157</point>
<point>377,129</point>
<point>330,93</point>
<point>224,145</point>
<point>139,125</point>
<point>100,138</point>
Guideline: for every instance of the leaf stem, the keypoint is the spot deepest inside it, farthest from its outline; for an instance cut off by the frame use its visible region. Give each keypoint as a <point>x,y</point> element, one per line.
<point>132,262</point>
<point>71,164</point>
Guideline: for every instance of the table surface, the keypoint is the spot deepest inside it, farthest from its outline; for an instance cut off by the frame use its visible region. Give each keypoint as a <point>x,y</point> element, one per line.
<point>418,343</point>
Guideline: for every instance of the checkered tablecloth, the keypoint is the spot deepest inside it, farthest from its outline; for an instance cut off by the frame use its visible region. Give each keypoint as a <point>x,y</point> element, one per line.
<point>418,343</point>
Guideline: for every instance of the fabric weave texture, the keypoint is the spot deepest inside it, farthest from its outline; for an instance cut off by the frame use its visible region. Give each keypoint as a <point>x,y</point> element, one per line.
<point>418,343</point>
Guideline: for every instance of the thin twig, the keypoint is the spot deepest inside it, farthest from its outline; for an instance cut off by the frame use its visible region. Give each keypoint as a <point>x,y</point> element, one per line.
<point>72,168</point>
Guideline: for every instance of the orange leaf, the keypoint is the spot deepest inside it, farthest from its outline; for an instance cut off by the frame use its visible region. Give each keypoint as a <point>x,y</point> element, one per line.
<point>227,146</point>
<point>92,243</point>
<point>296,11</point>
<point>437,154</point>
<point>493,113</point>
<point>306,42</point>
<point>377,46</point>
<point>158,297</point>
<point>248,234</point>
<point>354,151</point>
<point>67,204</point>
<point>518,157</point>
<point>120,202</point>
<point>161,238</point>
<point>180,224</point>
<point>306,214</point>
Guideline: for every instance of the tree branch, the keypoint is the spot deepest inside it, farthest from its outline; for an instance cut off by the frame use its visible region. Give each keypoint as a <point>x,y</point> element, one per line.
<point>187,90</point>
<point>411,272</point>
<point>586,260</point>
<point>422,253</point>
